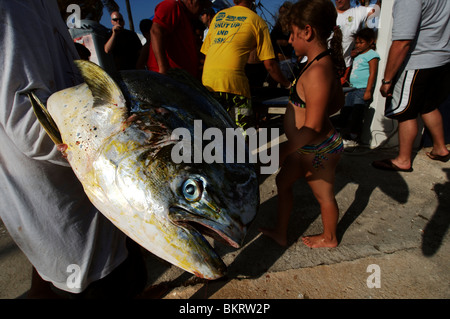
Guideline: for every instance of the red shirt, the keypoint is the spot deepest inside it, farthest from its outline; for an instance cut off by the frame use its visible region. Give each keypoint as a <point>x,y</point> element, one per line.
<point>181,49</point>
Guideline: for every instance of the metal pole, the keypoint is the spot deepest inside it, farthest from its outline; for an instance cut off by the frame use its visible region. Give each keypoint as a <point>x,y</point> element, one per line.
<point>130,17</point>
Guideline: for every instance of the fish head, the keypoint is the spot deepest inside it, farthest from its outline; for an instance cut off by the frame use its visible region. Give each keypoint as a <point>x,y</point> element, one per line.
<point>202,202</point>
<point>169,103</point>
<point>197,200</point>
<point>217,202</point>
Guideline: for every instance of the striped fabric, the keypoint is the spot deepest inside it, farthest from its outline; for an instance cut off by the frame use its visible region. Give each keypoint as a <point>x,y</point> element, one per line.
<point>401,97</point>
<point>332,145</point>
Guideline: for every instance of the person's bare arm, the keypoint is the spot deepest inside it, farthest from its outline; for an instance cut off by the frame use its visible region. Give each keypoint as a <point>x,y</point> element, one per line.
<point>143,57</point>
<point>273,68</point>
<point>373,69</point>
<point>158,37</point>
<point>109,45</point>
<point>397,54</point>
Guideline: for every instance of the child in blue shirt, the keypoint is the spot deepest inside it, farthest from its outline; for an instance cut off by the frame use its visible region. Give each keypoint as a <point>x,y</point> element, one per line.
<point>362,80</point>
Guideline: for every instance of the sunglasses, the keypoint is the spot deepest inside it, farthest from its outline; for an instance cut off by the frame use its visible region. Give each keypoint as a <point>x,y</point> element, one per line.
<point>117,19</point>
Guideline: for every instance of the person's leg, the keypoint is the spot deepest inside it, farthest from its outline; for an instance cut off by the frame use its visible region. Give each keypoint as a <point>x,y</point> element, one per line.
<point>407,133</point>
<point>346,112</point>
<point>433,122</point>
<point>344,118</point>
<point>321,182</point>
<point>416,92</point>
<point>40,289</point>
<point>126,281</point>
<point>356,121</point>
<point>289,173</point>
<point>243,112</point>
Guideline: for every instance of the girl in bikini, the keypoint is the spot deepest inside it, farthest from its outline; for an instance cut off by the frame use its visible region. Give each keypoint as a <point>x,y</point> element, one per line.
<point>314,147</point>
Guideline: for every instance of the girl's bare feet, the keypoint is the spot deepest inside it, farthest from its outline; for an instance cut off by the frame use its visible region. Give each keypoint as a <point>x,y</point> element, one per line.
<point>280,239</point>
<point>319,241</point>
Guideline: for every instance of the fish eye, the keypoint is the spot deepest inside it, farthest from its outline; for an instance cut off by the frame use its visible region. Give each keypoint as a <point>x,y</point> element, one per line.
<point>192,190</point>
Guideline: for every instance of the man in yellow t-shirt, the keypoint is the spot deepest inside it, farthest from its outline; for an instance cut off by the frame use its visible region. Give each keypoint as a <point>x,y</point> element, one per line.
<point>233,34</point>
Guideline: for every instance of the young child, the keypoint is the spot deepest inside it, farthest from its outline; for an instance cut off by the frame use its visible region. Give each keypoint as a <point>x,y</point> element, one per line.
<point>362,79</point>
<point>314,147</point>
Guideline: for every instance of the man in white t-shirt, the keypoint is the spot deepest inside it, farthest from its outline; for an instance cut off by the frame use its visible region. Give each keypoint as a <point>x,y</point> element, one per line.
<point>351,20</point>
<point>74,250</point>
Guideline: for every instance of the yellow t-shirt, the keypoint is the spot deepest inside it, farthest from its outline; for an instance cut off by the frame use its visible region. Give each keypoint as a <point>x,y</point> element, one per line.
<point>232,35</point>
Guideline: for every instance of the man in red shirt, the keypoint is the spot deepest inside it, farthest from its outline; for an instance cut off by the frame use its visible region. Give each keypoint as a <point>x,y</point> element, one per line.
<point>172,36</point>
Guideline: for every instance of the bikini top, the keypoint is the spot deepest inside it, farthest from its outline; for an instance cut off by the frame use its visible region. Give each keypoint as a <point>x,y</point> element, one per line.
<point>293,95</point>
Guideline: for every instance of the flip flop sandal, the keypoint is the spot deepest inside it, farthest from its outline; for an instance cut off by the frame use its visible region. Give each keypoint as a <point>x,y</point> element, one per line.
<point>438,157</point>
<point>387,165</point>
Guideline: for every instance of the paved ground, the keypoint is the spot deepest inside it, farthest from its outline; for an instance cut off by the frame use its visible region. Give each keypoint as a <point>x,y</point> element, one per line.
<point>396,222</point>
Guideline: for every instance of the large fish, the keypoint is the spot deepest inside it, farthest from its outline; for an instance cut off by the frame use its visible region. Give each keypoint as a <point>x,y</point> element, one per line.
<point>119,143</point>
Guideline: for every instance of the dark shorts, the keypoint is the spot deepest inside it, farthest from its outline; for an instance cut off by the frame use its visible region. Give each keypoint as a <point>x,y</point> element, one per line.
<point>418,92</point>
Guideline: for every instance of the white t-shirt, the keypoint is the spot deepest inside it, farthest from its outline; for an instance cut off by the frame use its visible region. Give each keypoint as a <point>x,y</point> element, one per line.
<point>351,21</point>
<point>427,24</point>
<point>43,205</point>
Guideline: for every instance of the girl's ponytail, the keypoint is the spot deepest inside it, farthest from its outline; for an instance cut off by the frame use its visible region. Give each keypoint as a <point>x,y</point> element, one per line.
<point>335,46</point>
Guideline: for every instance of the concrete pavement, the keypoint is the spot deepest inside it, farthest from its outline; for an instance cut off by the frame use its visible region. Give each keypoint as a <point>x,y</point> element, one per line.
<point>393,234</point>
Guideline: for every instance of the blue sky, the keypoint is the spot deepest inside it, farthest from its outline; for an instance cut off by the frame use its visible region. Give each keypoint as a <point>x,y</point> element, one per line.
<point>144,9</point>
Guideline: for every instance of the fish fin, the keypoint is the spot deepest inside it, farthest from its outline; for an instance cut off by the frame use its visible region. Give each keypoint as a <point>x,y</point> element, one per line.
<point>104,89</point>
<point>45,118</point>
<point>185,77</point>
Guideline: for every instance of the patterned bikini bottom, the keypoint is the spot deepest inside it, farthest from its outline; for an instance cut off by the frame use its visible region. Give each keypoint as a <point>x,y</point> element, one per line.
<point>331,145</point>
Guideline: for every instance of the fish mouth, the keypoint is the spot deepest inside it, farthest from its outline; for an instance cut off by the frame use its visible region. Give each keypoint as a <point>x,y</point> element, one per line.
<point>197,227</point>
<point>229,233</point>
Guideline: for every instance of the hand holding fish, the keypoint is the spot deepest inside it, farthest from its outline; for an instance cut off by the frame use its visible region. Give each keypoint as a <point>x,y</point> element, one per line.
<point>62,148</point>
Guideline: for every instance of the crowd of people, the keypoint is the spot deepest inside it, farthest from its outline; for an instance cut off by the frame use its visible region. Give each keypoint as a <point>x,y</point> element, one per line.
<point>44,207</point>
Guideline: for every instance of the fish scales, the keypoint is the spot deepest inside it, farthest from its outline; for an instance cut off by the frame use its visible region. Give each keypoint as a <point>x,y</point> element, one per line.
<point>119,138</point>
